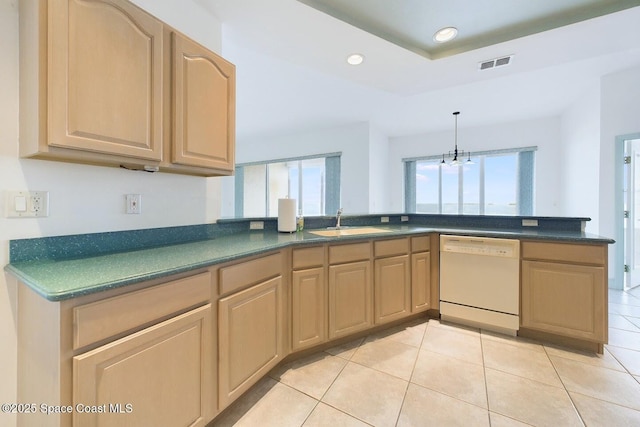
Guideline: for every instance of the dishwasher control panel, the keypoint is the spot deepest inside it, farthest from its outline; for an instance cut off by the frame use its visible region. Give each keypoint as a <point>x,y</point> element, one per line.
<point>507,248</point>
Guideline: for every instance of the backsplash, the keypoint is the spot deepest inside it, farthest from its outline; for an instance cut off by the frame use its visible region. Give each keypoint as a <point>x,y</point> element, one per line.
<point>463,221</point>
<point>94,244</point>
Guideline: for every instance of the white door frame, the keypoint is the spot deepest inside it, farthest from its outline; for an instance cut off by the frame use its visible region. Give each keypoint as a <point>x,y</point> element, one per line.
<point>618,272</point>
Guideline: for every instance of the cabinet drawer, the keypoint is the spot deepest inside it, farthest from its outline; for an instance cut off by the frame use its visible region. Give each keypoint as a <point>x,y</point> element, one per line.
<point>348,253</point>
<point>308,257</point>
<point>151,370</point>
<point>575,253</point>
<point>103,319</point>
<point>391,247</point>
<point>420,244</point>
<point>248,273</point>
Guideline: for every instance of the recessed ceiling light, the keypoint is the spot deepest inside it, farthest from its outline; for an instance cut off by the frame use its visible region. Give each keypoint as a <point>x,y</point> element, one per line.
<point>355,59</point>
<point>445,34</point>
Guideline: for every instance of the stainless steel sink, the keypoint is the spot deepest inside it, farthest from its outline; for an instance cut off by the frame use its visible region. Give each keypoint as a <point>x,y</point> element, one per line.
<point>351,231</point>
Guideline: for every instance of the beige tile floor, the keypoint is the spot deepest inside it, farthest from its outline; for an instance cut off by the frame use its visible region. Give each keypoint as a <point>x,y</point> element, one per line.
<point>428,373</point>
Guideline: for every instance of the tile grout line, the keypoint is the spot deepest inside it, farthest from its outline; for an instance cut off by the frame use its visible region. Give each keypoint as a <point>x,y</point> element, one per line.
<point>620,361</point>
<point>362,340</point>
<point>318,401</point>
<point>415,362</point>
<point>302,392</point>
<point>488,409</point>
<point>486,385</point>
<point>529,379</point>
<point>564,386</point>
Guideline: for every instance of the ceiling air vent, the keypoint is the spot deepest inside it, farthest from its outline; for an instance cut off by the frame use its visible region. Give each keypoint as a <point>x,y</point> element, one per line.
<point>494,63</point>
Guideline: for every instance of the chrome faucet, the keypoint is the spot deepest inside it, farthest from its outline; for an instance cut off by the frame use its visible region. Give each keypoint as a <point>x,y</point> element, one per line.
<point>338,215</point>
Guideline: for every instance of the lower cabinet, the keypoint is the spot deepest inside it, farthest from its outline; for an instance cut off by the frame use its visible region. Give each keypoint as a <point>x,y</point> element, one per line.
<point>392,288</point>
<point>564,291</point>
<point>161,375</point>
<point>565,299</point>
<point>250,334</point>
<point>177,352</point>
<point>137,357</point>
<point>308,308</point>
<point>350,298</point>
<point>420,281</point>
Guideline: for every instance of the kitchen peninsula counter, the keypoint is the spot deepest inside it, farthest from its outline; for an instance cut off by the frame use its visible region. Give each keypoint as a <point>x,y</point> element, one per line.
<point>211,309</point>
<point>58,273</point>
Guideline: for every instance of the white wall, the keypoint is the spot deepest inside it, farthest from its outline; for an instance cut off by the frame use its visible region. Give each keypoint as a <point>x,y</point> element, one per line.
<point>580,154</point>
<point>85,199</point>
<point>543,133</point>
<point>620,104</point>
<point>351,140</point>
<point>379,183</point>
<point>8,145</point>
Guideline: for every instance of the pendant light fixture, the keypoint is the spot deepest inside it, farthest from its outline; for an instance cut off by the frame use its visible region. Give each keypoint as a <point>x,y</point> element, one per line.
<point>455,161</point>
<point>469,161</point>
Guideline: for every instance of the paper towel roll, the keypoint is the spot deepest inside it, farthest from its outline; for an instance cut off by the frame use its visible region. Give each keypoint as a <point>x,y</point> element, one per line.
<point>286,215</point>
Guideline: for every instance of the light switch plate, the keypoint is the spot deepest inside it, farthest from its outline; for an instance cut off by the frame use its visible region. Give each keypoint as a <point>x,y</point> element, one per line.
<point>27,204</point>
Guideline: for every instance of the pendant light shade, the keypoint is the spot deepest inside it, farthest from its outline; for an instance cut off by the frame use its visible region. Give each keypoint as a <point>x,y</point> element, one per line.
<point>469,161</point>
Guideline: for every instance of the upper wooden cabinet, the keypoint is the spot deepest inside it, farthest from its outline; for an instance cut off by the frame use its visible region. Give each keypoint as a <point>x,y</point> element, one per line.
<point>203,106</point>
<point>105,78</point>
<point>106,83</point>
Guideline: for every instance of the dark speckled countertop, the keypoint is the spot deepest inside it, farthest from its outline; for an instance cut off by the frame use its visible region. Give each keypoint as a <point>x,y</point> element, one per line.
<point>57,278</point>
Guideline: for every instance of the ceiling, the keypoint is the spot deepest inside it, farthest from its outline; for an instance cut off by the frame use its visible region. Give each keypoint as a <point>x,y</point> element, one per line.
<point>411,24</point>
<point>292,73</point>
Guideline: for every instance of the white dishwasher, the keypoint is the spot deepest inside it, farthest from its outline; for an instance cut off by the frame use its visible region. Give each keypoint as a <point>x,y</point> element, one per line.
<point>480,282</point>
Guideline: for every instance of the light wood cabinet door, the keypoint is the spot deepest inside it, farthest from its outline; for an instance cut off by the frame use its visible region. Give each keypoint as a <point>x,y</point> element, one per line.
<point>161,375</point>
<point>565,299</point>
<point>309,308</point>
<point>203,107</point>
<point>250,337</point>
<point>350,298</point>
<point>420,282</point>
<point>106,78</point>
<point>392,288</point>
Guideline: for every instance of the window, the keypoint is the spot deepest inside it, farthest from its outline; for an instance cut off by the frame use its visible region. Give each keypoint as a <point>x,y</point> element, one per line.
<point>498,183</point>
<point>313,181</point>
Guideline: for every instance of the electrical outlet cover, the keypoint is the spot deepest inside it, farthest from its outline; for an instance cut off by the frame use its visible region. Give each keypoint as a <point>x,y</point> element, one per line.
<point>256,225</point>
<point>27,204</point>
<point>134,203</point>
